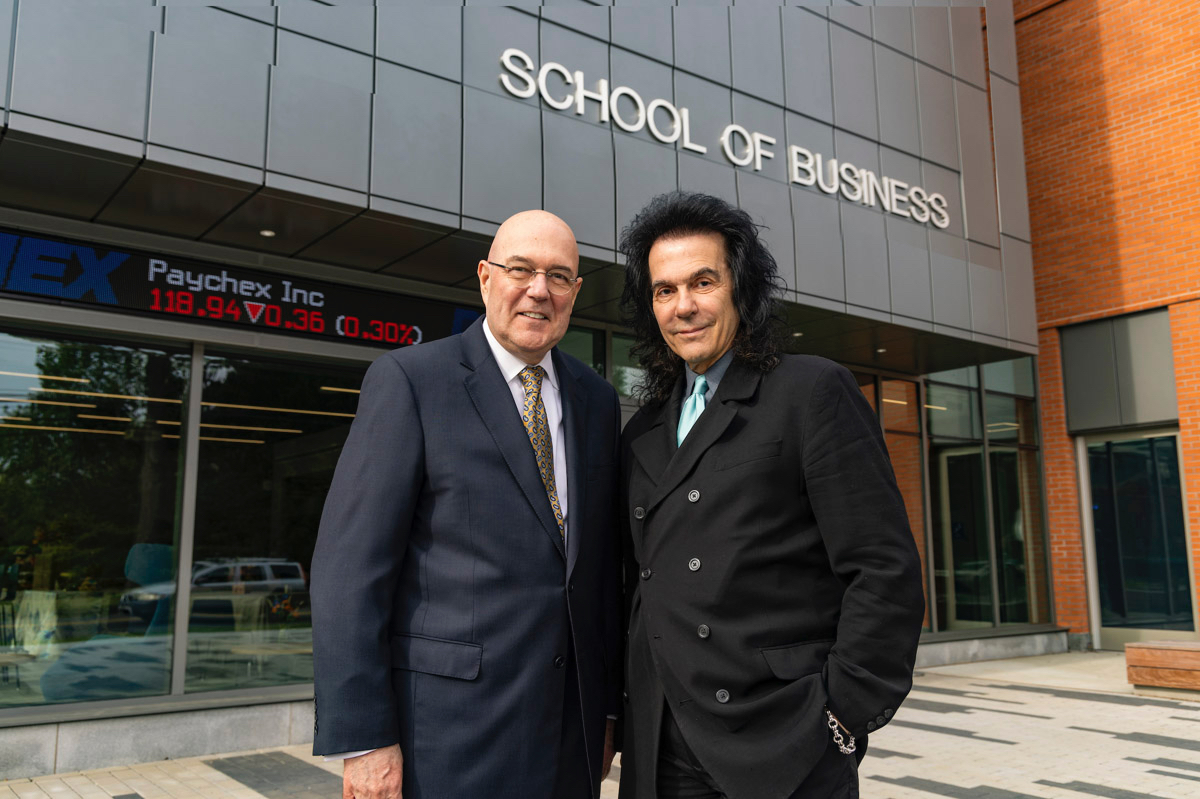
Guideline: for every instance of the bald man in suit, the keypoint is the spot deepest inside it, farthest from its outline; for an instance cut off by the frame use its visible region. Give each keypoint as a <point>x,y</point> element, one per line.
<point>466,580</point>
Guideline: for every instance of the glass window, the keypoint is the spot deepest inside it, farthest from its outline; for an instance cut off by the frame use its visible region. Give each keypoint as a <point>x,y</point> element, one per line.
<point>1020,536</point>
<point>253,574</point>
<point>626,372</point>
<point>88,486</point>
<point>1010,377</point>
<point>966,376</point>
<point>904,451</point>
<point>586,345</point>
<point>962,562</point>
<point>1141,544</point>
<point>953,412</point>
<point>286,571</point>
<point>900,411</point>
<point>270,436</point>
<point>1011,419</point>
<point>902,428</point>
<point>866,384</point>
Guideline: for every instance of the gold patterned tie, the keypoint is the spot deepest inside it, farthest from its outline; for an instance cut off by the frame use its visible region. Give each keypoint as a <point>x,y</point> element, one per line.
<point>533,414</point>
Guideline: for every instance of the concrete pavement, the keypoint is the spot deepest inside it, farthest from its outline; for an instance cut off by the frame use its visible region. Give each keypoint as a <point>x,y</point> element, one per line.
<point>1047,727</point>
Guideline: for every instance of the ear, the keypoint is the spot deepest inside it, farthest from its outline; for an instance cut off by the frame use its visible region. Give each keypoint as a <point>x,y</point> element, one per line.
<point>575,291</point>
<point>484,276</point>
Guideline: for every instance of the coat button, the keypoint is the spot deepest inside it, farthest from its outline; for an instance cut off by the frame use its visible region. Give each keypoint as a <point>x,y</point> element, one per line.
<point>722,696</point>
<point>625,696</point>
<point>639,512</point>
<point>693,496</point>
<point>559,662</point>
<point>694,564</point>
<point>703,631</point>
<point>889,713</point>
<point>880,720</point>
<point>571,586</point>
<point>646,574</point>
<point>870,726</point>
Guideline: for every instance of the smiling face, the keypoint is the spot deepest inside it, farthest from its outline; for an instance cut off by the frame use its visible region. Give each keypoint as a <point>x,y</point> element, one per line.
<point>691,291</point>
<point>529,320</point>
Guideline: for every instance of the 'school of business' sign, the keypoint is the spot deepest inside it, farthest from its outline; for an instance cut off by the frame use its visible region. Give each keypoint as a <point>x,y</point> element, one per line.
<point>670,124</point>
<point>33,266</point>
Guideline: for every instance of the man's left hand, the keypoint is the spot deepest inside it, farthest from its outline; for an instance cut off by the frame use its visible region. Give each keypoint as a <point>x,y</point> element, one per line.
<point>609,751</point>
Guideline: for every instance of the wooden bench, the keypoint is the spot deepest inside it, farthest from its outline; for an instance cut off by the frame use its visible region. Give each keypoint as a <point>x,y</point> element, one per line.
<point>1164,664</point>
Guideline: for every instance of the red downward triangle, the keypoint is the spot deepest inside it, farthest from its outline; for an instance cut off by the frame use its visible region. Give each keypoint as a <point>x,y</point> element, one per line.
<point>255,309</point>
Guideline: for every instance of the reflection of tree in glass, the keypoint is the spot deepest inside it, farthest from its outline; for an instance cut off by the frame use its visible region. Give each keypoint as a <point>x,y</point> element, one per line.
<point>87,497</point>
<point>264,499</point>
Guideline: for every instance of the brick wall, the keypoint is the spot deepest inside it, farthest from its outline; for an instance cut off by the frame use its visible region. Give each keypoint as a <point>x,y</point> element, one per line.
<point>1110,100</point>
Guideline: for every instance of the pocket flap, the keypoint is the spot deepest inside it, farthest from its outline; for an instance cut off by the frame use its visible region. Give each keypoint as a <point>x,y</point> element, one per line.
<point>793,661</point>
<point>750,452</point>
<point>436,656</point>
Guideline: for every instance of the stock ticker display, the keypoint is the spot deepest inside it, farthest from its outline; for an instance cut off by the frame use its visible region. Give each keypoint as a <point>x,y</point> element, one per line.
<point>34,266</point>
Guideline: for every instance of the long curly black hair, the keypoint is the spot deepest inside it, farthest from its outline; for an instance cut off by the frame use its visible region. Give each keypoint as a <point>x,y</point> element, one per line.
<point>756,285</point>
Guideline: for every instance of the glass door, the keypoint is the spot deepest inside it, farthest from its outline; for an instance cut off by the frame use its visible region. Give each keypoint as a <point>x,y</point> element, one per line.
<point>1141,545</point>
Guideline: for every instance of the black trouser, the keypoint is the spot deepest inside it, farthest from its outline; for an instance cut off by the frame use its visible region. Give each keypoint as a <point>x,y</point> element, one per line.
<point>681,776</point>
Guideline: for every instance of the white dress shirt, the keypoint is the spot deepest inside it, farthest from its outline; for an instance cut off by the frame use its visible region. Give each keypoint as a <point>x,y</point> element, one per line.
<point>510,368</point>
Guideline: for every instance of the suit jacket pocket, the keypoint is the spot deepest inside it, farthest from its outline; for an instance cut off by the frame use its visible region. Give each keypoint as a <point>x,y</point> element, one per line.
<point>436,656</point>
<point>749,452</point>
<point>793,661</point>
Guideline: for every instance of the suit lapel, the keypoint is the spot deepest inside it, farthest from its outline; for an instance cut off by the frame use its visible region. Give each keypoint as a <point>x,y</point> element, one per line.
<point>655,448</point>
<point>574,407</point>
<point>738,385</point>
<point>493,401</point>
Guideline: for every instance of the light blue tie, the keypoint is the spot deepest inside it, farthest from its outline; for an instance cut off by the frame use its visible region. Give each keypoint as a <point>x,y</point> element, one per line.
<point>692,408</point>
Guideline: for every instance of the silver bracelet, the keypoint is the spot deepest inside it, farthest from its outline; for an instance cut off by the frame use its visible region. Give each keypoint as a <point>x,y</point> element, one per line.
<point>832,722</point>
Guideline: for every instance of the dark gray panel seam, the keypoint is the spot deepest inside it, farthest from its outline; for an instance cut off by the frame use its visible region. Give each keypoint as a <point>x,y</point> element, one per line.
<point>462,117</point>
<point>12,61</point>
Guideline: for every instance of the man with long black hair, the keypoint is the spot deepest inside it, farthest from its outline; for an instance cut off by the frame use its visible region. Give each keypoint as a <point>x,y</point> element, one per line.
<point>772,582</point>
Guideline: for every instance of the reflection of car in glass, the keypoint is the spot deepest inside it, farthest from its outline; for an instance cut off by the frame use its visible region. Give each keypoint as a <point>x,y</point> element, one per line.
<point>233,576</point>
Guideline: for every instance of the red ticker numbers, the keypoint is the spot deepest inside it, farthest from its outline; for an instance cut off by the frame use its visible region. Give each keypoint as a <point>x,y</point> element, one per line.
<point>296,318</point>
<point>305,320</point>
<point>377,330</point>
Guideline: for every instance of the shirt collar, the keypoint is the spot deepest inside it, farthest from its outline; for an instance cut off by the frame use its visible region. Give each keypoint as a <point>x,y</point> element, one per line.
<point>712,376</point>
<point>510,365</point>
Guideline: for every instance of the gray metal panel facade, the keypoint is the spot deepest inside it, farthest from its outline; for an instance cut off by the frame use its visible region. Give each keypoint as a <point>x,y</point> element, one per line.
<point>424,37</point>
<point>397,116</point>
<point>193,85</point>
<point>1090,377</point>
<point>1145,368</point>
<point>756,40</point>
<point>1119,372</point>
<point>417,159</point>
<point>82,68</point>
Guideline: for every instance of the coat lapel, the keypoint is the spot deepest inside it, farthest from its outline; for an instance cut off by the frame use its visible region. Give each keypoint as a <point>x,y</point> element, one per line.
<point>574,405</point>
<point>493,401</point>
<point>738,385</point>
<point>655,448</point>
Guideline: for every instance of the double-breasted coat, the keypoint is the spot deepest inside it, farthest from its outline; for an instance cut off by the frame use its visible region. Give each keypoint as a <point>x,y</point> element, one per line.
<point>770,572</point>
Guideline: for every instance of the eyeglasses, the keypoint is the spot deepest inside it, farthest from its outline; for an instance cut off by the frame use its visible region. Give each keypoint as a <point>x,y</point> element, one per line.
<point>558,282</point>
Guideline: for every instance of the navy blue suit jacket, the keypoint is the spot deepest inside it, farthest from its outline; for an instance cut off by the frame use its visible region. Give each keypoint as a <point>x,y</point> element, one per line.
<point>444,599</point>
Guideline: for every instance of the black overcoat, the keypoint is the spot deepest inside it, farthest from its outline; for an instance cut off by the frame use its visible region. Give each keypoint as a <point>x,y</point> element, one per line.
<point>770,572</point>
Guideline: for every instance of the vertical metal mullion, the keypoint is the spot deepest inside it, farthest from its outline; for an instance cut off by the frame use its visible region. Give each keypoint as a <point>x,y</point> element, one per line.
<point>187,520</point>
<point>1087,521</point>
<point>988,499</point>
<point>1043,496</point>
<point>930,554</point>
<point>1162,519</point>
